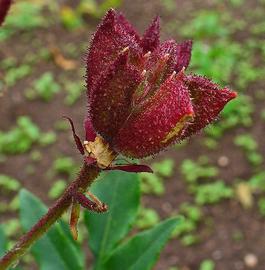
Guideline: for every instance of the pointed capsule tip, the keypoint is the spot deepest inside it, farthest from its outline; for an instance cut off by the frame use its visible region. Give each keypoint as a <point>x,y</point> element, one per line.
<point>111,12</point>
<point>110,16</point>
<point>234,94</point>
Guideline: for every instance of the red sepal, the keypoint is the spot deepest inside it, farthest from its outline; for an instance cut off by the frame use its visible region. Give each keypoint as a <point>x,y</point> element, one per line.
<point>78,142</point>
<point>208,99</point>
<point>183,55</point>
<point>150,40</point>
<point>134,168</point>
<point>110,102</point>
<point>111,37</point>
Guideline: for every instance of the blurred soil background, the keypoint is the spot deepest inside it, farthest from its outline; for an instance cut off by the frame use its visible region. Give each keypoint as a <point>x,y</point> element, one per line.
<point>216,180</point>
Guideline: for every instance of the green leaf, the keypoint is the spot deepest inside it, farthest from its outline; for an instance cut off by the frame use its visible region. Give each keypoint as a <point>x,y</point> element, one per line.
<point>9,183</point>
<point>122,194</point>
<point>164,168</point>
<point>207,265</point>
<point>211,193</point>
<point>151,183</point>
<point>142,250</point>
<point>55,250</point>
<point>3,241</point>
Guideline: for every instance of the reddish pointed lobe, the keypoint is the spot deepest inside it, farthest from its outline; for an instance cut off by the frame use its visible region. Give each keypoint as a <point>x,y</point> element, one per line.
<point>112,36</point>
<point>150,40</point>
<point>207,99</point>
<point>4,7</point>
<point>183,55</point>
<point>110,104</point>
<point>158,122</point>
<point>123,22</point>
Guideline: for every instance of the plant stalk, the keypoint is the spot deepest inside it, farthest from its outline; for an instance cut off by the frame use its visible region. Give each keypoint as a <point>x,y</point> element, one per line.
<point>84,179</point>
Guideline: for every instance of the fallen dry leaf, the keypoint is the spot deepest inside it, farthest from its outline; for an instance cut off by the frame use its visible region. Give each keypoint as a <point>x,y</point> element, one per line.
<point>61,61</point>
<point>244,195</point>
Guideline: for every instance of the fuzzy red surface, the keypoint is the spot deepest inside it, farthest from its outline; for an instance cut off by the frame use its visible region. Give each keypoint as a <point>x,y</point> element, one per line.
<point>208,99</point>
<point>89,129</point>
<point>136,102</point>
<point>110,103</point>
<point>112,36</point>
<point>4,7</point>
<point>151,38</point>
<point>145,131</point>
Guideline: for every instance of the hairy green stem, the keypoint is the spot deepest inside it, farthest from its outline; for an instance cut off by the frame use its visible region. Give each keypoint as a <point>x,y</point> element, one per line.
<point>84,179</point>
